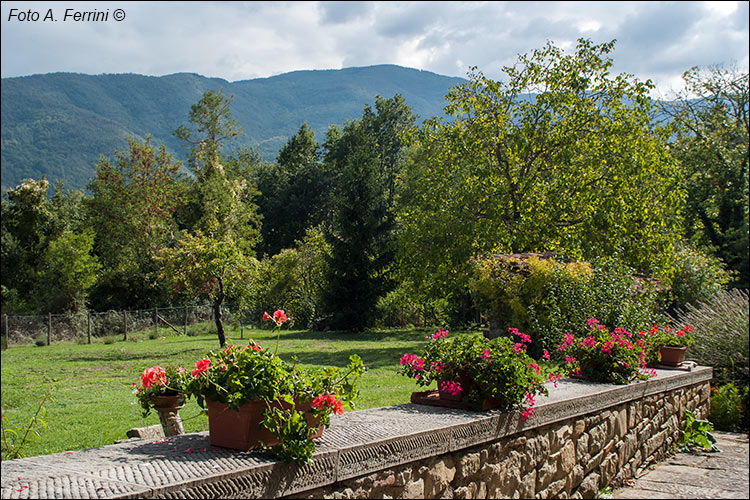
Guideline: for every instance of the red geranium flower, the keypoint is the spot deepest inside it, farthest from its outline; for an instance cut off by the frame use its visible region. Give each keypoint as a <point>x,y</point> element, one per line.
<point>201,366</point>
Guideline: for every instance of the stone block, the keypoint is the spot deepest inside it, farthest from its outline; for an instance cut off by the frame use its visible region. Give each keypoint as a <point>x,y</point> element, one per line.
<point>598,436</point>
<point>589,487</point>
<point>439,476</point>
<point>567,460</point>
<point>150,432</point>
<point>468,491</point>
<point>582,447</point>
<point>593,462</point>
<point>574,478</point>
<point>546,473</point>
<point>413,489</point>
<point>555,490</point>
<point>579,428</point>
<point>526,488</point>
<point>628,448</point>
<point>621,424</point>
<point>467,465</point>
<point>558,437</point>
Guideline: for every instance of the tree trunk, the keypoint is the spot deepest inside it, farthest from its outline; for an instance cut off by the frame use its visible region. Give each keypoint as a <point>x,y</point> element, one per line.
<point>217,313</point>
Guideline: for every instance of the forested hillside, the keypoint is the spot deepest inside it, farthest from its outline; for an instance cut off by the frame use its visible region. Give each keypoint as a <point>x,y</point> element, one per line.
<point>58,124</point>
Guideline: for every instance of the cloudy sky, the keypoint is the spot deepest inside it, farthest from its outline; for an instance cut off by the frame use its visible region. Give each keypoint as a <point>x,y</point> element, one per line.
<point>239,41</point>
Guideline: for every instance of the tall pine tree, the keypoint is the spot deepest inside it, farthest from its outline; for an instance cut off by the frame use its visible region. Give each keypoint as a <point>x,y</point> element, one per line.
<point>364,159</point>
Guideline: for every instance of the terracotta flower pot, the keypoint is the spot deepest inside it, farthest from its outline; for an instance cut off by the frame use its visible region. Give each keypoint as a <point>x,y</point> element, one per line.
<point>241,429</point>
<point>168,407</point>
<point>466,382</point>
<point>672,356</point>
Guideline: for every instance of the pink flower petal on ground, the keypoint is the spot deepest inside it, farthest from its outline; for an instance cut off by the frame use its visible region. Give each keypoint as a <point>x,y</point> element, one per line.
<point>24,487</point>
<point>68,452</point>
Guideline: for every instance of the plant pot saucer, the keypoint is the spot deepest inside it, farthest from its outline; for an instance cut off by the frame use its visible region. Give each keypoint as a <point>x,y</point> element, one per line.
<point>432,398</point>
<point>685,366</point>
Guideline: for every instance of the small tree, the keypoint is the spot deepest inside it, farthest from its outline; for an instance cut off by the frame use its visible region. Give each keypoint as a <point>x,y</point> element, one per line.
<point>70,271</point>
<point>209,269</point>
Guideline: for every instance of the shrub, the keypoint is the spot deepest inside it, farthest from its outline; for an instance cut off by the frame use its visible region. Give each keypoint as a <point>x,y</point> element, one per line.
<point>722,337</point>
<point>403,307</point>
<point>548,298</point>
<point>476,369</point>
<point>697,278</point>
<point>606,356</point>
<point>727,407</point>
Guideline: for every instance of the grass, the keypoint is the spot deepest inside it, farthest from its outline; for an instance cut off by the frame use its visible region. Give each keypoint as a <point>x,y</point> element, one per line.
<point>91,383</point>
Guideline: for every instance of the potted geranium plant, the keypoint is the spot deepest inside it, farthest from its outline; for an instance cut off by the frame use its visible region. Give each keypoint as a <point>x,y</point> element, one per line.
<point>254,399</point>
<point>606,356</point>
<point>667,345</point>
<point>477,373</point>
<point>163,389</point>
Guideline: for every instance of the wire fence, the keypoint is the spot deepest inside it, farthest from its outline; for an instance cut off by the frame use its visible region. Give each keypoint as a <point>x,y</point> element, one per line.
<point>87,325</point>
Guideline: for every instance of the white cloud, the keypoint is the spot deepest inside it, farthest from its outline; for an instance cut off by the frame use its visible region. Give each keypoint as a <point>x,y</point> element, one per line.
<point>243,40</point>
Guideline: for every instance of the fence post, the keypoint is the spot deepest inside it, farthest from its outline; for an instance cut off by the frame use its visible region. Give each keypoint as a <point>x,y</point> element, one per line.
<point>88,324</point>
<point>125,323</point>
<point>241,330</point>
<point>186,320</point>
<point>156,320</point>
<point>7,332</point>
<point>49,327</point>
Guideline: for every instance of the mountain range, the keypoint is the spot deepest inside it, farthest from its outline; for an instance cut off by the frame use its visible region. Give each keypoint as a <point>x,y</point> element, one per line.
<point>58,124</point>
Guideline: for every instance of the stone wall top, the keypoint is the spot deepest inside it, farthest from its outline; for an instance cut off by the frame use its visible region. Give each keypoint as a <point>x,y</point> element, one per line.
<point>357,443</point>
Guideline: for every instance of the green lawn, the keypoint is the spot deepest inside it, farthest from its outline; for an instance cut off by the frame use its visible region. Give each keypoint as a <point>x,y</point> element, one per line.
<point>91,384</point>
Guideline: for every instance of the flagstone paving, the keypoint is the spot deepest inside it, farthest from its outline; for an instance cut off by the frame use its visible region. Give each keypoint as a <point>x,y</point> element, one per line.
<point>698,475</point>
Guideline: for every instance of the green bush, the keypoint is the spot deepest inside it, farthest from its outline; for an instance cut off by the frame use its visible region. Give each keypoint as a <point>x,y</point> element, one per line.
<point>547,299</point>
<point>292,280</point>
<point>697,277</point>
<point>403,307</point>
<point>728,407</point>
<point>722,335</point>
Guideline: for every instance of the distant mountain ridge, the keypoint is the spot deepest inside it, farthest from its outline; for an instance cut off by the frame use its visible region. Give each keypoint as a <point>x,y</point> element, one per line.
<point>58,124</point>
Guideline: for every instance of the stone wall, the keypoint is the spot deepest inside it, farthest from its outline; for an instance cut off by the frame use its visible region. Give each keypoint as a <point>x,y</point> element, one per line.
<point>583,436</point>
<point>574,458</point>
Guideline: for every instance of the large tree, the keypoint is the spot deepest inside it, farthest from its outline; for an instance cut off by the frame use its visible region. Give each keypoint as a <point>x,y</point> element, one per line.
<point>133,200</point>
<point>214,256</point>
<point>366,158</point>
<point>559,155</point>
<point>711,118</point>
<point>220,200</point>
<point>295,192</point>
<point>25,223</point>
